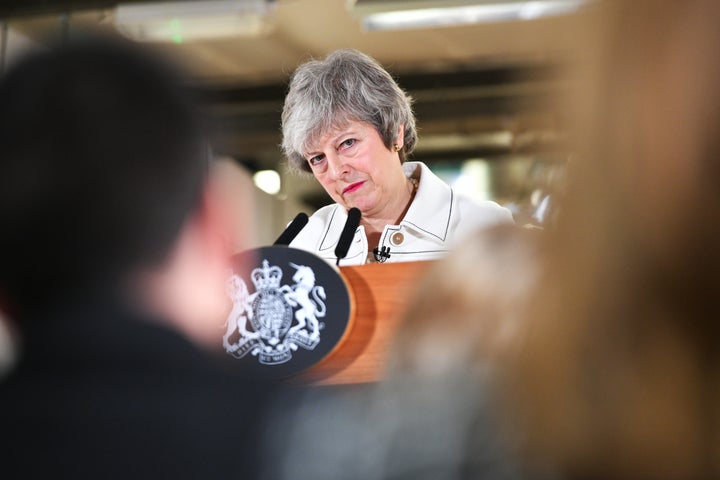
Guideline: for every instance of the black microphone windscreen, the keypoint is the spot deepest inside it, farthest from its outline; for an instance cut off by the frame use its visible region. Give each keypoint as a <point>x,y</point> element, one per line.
<point>287,236</point>
<point>348,233</point>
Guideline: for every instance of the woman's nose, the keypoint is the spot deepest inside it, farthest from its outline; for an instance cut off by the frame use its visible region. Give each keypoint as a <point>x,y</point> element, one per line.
<point>337,165</point>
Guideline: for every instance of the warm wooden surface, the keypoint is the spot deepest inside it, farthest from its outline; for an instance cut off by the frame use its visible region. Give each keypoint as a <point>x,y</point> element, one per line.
<point>379,295</point>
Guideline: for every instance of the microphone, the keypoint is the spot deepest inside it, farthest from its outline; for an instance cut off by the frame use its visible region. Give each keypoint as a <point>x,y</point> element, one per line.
<point>287,236</point>
<point>381,255</point>
<point>347,235</point>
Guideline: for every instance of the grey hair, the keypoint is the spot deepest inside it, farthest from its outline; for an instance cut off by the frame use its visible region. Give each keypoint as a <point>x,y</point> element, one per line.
<point>346,86</point>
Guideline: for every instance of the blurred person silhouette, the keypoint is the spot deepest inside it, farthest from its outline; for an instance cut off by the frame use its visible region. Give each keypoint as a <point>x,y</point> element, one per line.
<point>438,395</point>
<point>617,376</point>
<point>113,260</point>
<point>467,309</point>
<point>438,398</point>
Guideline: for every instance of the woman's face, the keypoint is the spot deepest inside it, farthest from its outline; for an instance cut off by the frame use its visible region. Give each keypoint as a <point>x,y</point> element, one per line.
<point>356,168</point>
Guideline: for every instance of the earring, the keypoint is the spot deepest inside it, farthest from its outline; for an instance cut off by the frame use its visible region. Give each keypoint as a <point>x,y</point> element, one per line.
<point>396,147</point>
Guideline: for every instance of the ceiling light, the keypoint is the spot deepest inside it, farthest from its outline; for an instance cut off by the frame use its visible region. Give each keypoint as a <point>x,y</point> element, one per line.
<point>183,21</point>
<point>409,14</point>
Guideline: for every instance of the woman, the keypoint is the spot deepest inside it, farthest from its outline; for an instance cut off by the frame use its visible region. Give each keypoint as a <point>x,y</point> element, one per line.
<point>347,122</point>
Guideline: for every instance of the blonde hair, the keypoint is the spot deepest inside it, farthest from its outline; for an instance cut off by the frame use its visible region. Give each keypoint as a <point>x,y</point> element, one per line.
<point>618,375</point>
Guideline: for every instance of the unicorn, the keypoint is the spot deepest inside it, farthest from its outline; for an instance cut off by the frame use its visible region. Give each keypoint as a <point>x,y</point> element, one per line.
<point>310,309</point>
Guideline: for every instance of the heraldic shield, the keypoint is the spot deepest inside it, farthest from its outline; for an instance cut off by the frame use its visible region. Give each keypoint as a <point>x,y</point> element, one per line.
<point>290,309</point>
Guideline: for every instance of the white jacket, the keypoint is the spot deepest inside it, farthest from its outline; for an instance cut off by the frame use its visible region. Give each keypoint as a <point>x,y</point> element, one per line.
<point>437,219</point>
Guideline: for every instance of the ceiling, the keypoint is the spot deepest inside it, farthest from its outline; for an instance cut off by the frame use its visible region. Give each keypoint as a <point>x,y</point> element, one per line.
<point>480,91</point>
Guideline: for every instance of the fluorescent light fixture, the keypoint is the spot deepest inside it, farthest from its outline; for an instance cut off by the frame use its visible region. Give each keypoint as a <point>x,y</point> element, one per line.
<point>407,14</point>
<point>183,21</point>
<point>501,140</point>
<point>268,181</point>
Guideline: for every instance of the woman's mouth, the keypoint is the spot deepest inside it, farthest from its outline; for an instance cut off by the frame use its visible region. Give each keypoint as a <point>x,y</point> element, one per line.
<point>352,187</point>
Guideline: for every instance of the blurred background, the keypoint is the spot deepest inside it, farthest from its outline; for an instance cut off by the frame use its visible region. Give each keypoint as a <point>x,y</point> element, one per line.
<point>485,76</point>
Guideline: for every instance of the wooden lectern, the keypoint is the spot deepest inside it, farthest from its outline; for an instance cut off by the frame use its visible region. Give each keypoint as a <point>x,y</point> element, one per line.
<point>379,295</point>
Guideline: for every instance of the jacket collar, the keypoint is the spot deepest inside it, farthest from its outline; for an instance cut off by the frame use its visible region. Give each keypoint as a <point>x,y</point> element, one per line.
<point>431,209</point>
<point>335,225</point>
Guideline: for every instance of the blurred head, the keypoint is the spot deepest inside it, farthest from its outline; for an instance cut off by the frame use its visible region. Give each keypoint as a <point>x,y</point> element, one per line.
<point>102,163</point>
<point>468,308</point>
<point>347,86</point>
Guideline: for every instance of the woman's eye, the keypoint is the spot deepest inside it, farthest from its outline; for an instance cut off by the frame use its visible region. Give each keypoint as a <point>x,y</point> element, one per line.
<point>348,143</point>
<point>316,159</point>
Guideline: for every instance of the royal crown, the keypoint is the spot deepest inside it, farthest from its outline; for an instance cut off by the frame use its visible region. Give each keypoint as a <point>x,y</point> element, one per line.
<point>267,276</point>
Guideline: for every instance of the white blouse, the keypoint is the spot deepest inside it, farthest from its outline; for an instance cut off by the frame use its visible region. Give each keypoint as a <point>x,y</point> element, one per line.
<point>437,219</point>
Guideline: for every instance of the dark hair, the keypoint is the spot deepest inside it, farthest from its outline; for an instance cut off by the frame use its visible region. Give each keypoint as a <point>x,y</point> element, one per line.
<point>102,161</point>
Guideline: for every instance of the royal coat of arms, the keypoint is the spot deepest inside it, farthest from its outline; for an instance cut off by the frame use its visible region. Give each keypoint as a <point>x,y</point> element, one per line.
<point>276,319</point>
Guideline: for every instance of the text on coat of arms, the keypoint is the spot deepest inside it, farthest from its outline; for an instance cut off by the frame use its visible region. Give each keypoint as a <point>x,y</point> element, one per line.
<point>276,319</point>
